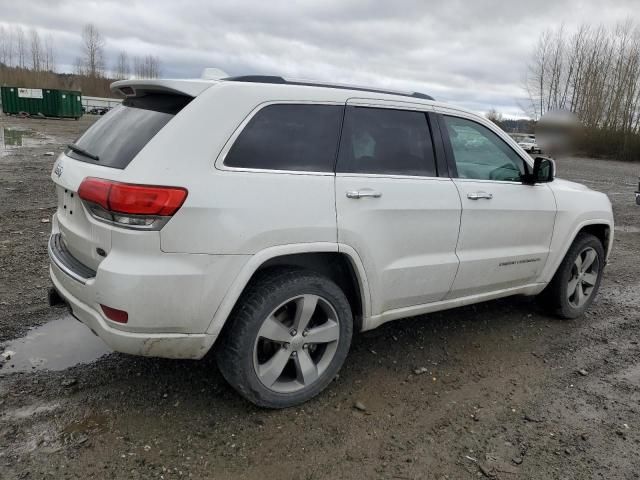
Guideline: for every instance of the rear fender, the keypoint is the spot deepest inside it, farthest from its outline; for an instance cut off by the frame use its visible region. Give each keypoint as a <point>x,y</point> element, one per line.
<point>233,294</point>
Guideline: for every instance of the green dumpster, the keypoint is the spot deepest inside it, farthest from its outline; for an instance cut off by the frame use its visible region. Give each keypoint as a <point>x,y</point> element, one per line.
<point>45,101</point>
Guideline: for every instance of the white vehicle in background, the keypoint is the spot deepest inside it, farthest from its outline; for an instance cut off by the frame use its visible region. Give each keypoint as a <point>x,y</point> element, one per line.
<point>530,145</point>
<point>269,219</point>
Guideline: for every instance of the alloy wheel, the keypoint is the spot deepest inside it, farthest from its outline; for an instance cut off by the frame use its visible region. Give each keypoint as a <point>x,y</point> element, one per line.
<point>584,276</point>
<point>296,343</point>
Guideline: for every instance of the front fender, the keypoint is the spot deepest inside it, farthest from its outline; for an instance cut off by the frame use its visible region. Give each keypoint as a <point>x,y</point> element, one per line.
<point>563,237</point>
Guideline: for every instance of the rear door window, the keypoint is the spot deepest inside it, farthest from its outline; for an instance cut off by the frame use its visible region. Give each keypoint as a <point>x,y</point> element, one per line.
<point>289,137</point>
<point>117,137</point>
<point>386,142</point>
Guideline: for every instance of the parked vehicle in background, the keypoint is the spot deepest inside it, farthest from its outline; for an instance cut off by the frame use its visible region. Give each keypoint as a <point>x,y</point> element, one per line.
<point>89,102</point>
<point>270,219</point>
<point>530,145</point>
<point>99,110</point>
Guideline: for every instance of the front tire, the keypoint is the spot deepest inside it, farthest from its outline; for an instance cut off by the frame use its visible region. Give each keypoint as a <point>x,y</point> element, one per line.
<point>577,280</point>
<point>286,339</point>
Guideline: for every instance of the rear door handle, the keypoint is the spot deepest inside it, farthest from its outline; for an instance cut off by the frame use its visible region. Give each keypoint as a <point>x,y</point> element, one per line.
<point>479,195</point>
<point>363,193</point>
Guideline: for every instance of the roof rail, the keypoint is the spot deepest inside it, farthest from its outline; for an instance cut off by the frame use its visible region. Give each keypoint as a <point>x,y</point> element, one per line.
<point>274,79</point>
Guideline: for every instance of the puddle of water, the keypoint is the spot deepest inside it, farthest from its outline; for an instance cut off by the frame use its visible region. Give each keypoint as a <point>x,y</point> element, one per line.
<point>11,139</point>
<point>627,229</point>
<point>20,138</point>
<point>56,345</point>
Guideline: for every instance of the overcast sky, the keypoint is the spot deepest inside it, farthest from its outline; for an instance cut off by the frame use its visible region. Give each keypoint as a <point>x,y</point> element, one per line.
<point>471,53</point>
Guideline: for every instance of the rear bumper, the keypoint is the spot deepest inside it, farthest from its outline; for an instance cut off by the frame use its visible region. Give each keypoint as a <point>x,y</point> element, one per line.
<point>63,259</point>
<point>170,298</point>
<point>167,345</point>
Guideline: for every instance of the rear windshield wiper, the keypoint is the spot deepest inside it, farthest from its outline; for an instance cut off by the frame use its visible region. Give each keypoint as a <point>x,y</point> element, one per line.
<point>82,151</point>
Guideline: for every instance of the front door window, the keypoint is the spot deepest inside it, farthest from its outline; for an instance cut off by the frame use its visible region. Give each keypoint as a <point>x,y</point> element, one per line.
<point>480,154</point>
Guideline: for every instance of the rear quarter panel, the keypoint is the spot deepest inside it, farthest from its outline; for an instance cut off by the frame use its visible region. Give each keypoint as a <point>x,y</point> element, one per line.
<point>232,212</point>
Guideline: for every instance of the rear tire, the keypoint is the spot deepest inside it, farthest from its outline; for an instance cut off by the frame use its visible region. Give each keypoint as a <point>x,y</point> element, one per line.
<point>286,339</point>
<point>577,280</point>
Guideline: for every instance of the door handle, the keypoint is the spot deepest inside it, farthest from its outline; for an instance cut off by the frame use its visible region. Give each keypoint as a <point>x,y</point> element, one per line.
<point>363,193</point>
<point>479,195</point>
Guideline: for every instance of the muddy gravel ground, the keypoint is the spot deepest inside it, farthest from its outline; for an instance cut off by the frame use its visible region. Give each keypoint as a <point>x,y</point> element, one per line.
<point>499,390</point>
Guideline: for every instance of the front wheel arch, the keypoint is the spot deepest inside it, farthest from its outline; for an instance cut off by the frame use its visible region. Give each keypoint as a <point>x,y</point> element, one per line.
<point>600,228</point>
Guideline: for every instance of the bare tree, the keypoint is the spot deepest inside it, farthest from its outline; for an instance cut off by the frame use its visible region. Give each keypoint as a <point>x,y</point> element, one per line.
<point>536,79</point>
<point>146,67</point>
<point>3,46</point>
<point>9,46</point>
<point>21,48</point>
<point>49,54</point>
<point>36,51</point>
<point>93,58</point>
<point>495,116</point>
<point>594,73</point>
<point>6,46</point>
<point>154,66</point>
<point>122,69</point>
<point>78,67</point>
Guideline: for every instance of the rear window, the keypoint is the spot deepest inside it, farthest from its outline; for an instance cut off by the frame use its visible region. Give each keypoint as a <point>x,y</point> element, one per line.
<point>118,136</point>
<point>289,137</point>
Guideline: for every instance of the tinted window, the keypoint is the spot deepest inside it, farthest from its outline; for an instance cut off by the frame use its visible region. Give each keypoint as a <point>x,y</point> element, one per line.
<point>386,141</point>
<point>118,136</point>
<point>481,154</point>
<point>289,137</point>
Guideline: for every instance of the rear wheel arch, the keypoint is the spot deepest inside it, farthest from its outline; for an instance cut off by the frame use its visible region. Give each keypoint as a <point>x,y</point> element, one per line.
<point>336,266</point>
<point>340,267</point>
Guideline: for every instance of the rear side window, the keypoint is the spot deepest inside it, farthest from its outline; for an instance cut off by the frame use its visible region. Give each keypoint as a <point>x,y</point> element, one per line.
<point>289,137</point>
<point>386,141</point>
<point>118,136</point>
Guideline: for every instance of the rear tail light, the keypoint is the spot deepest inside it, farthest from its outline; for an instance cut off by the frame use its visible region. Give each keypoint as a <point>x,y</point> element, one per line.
<point>115,315</point>
<point>134,206</point>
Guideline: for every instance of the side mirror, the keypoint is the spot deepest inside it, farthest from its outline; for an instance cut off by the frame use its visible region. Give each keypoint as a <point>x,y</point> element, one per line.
<point>544,171</point>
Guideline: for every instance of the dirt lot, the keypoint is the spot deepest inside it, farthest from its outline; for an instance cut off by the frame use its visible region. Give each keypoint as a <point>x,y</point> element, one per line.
<point>505,390</point>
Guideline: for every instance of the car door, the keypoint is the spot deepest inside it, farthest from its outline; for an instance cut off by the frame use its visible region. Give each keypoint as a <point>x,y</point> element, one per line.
<point>393,208</point>
<point>506,225</point>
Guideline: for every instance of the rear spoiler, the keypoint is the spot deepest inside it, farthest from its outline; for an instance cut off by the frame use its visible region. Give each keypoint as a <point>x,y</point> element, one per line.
<point>136,88</point>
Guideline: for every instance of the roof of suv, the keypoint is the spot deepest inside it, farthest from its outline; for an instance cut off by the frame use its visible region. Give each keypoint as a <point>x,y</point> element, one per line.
<point>282,81</point>
<point>194,87</point>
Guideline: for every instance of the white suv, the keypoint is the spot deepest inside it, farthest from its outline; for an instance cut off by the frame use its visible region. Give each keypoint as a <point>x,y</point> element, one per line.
<point>270,219</point>
<point>530,145</point>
